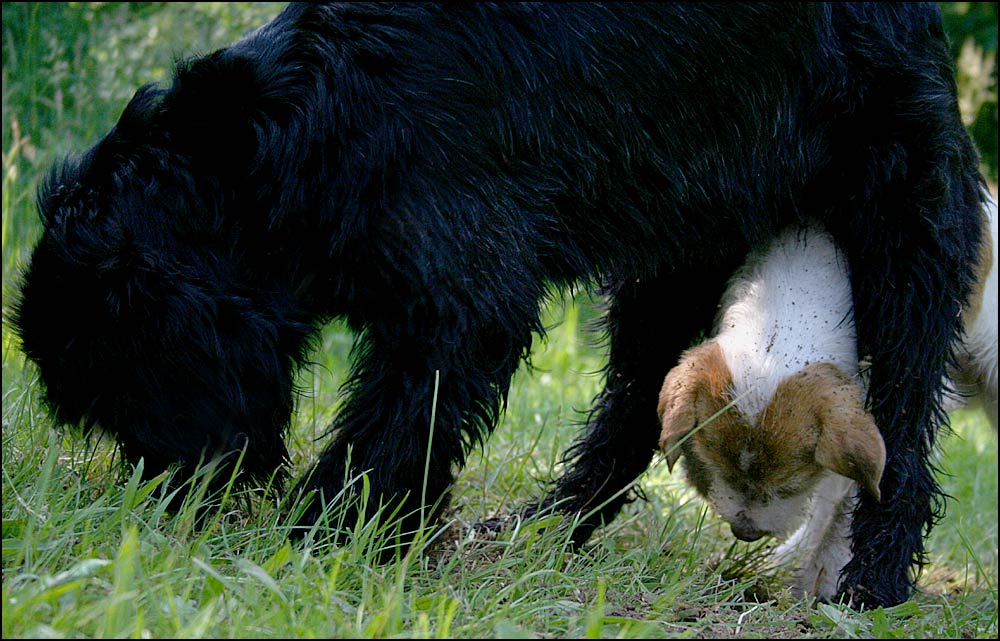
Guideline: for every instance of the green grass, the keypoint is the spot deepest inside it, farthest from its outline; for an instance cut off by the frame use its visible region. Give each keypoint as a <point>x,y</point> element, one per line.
<point>90,550</point>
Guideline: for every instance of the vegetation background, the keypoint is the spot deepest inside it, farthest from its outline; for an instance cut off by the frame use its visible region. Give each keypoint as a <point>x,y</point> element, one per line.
<point>89,550</point>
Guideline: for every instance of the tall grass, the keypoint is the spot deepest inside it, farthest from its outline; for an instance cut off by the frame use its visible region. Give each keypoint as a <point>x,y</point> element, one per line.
<point>89,549</point>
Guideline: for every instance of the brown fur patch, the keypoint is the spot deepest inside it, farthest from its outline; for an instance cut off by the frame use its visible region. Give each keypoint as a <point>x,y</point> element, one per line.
<point>823,407</point>
<point>774,454</point>
<point>692,392</point>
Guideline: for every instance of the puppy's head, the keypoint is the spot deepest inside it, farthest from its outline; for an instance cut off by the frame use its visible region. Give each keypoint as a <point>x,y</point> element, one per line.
<point>758,473</point>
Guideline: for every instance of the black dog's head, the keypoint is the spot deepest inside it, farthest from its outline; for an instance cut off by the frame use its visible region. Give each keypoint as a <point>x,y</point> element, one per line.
<point>136,309</point>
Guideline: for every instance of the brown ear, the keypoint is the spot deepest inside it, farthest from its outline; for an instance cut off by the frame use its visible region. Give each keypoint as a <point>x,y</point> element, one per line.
<point>694,375</point>
<point>849,441</point>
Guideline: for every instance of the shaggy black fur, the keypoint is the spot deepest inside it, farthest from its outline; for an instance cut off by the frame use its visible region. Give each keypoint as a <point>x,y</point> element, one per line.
<point>431,173</point>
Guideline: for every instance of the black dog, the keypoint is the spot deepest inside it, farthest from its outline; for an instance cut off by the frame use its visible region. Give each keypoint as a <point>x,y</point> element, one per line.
<point>431,173</point>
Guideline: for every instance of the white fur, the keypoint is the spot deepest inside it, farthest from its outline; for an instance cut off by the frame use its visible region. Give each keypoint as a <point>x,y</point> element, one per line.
<point>789,306</point>
<point>774,516</point>
<point>820,549</point>
<point>978,376</point>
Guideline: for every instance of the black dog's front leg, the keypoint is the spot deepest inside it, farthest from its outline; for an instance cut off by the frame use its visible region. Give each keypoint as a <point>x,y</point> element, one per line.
<point>405,396</point>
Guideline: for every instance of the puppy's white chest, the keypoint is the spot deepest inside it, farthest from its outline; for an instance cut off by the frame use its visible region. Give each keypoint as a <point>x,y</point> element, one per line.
<point>789,307</point>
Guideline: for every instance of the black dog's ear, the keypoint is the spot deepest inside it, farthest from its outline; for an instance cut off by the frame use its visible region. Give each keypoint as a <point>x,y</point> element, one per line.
<point>210,109</point>
<point>138,125</point>
<point>139,115</point>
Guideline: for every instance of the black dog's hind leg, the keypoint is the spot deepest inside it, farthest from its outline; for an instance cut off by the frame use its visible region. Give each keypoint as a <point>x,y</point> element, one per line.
<point>909,279</point>
<point>649,323</point>
<point>911,271</point>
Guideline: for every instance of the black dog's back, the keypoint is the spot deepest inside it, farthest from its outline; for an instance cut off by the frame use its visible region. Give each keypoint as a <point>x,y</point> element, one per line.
<point>430,172</point>
<point>558,128</point>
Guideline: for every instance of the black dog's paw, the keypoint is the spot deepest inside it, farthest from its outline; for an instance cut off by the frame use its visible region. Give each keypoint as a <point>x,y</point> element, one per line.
<point>490,529</point>
<point>860,597</point>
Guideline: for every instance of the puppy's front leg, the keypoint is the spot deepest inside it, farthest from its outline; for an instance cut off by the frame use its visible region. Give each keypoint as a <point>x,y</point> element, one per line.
<point>821,547</point>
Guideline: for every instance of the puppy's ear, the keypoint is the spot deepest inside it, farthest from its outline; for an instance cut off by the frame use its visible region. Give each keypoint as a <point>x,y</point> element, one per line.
<point>677,409</point>
<point>700,372</point>
<point>849,441</point>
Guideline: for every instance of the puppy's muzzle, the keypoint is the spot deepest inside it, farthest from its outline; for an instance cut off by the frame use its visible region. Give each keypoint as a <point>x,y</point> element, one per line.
<point>745,530</point>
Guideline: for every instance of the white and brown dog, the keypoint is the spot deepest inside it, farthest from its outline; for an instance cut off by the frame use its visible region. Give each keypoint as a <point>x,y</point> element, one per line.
<point>769,413</point>
<point>975,380</point>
